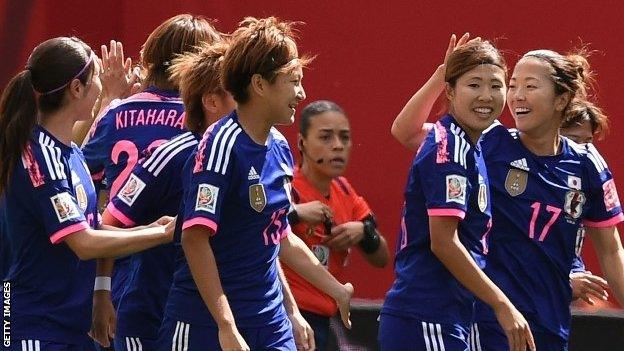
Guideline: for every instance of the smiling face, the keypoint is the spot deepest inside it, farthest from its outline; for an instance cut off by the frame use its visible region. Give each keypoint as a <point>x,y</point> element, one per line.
<point>284,94</point>
<point>531,97</point>
<point>328,138</point>
<point>477,98</point>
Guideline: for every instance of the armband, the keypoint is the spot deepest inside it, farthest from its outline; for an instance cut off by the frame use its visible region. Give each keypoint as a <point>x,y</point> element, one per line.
<point>371,240</point>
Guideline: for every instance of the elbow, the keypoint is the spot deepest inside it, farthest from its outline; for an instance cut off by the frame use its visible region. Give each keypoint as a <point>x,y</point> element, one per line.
<point>439,248</point>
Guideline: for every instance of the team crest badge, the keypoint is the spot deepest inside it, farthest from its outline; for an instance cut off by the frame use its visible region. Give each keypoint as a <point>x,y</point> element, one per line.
<point>322,254</point>
<point>482,198</point>
<point>574,201</point>
<point>81,196</point>
<point>257,197</point>
<point>516,181</point>
<point>207,196</point>
<point>64,207</point>
<point>456,189</point>
<point>131,190</point>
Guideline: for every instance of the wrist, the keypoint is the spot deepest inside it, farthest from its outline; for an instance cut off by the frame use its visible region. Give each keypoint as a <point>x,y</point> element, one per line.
<point>102,283</point>
<point>293,217</point>
<point>370,241</point>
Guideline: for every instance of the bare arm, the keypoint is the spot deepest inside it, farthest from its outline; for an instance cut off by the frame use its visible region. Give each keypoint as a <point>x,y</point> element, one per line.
<point>295,253</point>
<point>203,266</point>
<point>91,243</point>
<point>409,127</point>
<point>611,257</point>
<point>451,252</point>
<point>302,331</point>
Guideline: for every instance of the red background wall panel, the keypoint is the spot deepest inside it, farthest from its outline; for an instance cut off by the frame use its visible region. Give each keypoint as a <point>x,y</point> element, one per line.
<point>371,57</point>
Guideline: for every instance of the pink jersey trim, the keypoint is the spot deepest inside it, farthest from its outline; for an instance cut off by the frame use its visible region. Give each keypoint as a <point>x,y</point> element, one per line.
<point>604,224</point>
<point>446,212</point>
<point>115,212</point>
<point>61,234</point>
<point>200,221</point>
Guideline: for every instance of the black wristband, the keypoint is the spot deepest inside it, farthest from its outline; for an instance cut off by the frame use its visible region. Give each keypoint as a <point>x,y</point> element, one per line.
<point>371,240</point>
<point>293,217</point>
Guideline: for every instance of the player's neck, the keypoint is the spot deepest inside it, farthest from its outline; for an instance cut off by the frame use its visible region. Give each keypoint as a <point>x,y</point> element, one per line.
<point>255,123</point>
<point>542,144</point>
<point>320,181</point>
<point>60,125</point>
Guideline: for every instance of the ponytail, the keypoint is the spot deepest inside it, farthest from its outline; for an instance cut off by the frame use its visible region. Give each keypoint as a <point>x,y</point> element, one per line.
<point>18,116</point>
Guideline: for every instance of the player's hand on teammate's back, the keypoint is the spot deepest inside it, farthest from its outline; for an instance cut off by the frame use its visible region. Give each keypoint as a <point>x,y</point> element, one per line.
<point>231,340</point>
<point>103,320</point>
<point>587,286</point>
<point>303,333</point>
<point>516,328</point>
<point>314,212</point>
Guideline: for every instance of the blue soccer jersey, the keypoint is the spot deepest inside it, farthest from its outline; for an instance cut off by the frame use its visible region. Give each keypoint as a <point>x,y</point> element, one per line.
<point>240,190</point>
<point>447,178</point>
<point>127,128</point>
<point>153,189</point>
<point>540,204</point>
<point>50,196</point>
<point>118,138</point>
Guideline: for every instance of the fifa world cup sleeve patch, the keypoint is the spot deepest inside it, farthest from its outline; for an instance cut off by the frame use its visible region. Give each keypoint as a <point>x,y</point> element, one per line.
<point>611,199</point>
<point>207,196</point>
<point>131,190</point>
<point>456,189</point>
<point>64,207</point>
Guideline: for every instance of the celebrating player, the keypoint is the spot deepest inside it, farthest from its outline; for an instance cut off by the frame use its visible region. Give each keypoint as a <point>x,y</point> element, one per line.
<point>144,120</point>
<point>544,187</point>
<point>226,293</point>
<point>446,216</point>
<point>49,203</point>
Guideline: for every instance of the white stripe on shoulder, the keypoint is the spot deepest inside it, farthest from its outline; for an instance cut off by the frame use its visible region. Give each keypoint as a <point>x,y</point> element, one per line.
<point>277,135</point>
<point>440,339</point>
<point>426,336</point>
<point>165,152</point>
<point>174,341</point>
<point>596,158</point>
<point>216,140</point>
<point>186,337</point>
<point>229,150</point>
<point>52,155</point>
<point>494,124</point>
<point>432,336</point>
<point>223,146</point>
<point>477,338</point>
<point>461,146</point>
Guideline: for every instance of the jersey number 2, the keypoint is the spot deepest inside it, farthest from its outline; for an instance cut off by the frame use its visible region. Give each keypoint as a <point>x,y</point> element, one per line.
<point>130,149</point>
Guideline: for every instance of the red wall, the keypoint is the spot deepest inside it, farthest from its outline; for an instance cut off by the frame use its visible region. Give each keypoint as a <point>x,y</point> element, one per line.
<point>372,55</point>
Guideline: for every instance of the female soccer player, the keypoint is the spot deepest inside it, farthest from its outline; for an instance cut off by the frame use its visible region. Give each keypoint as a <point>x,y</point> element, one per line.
<point>226,293</point>
<point>49,203</point>
<point>544,187</point>
<point>329,216</point>
<point>129,126</point>
<point>446,217</point>
<point>153,189</point>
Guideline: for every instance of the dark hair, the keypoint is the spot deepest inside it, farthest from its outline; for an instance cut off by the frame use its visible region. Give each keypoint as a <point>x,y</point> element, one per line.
<point>40,88</point>
<point>259,46</point>
<point>470,55</point>
<point>175,36</point>
<point>198,74</point>
<point>316,108</point>
<point>570,73</point>
<point>586,111</point>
